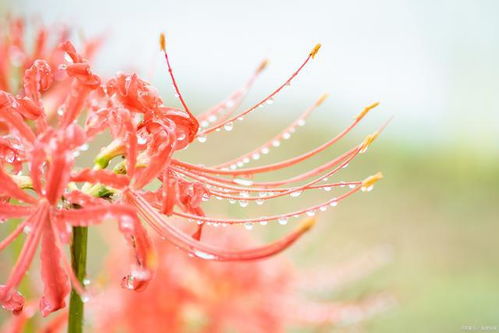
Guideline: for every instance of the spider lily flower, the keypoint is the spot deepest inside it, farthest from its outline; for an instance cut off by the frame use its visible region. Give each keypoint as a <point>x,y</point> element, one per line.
<point>259,296</point>
<point>147,133</point>
<point>186,185</point>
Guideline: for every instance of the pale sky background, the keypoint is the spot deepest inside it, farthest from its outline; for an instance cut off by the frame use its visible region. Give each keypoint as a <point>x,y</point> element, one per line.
<point>432,63</point>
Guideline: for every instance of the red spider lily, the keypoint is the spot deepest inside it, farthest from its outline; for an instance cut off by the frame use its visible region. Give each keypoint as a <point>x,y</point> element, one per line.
<point>260,296</point>
<point>147,134</point>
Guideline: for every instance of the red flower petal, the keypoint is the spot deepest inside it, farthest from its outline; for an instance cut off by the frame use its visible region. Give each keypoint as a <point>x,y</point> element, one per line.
<point>14,301</point>
<point>10,188</point>
<point>55,281</point>
<point>105,177</point>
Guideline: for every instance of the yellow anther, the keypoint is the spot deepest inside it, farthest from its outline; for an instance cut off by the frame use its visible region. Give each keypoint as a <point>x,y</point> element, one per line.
<point>368,140</point>
<point>369,182</point>
<point>262,65</point>
<point>314,51</point>
<point>366,110</point>
<point>321,99</point>
<point>307,224</point>
<point>162,42</point>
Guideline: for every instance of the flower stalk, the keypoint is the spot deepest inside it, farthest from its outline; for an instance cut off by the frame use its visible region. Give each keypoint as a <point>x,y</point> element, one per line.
<point>79,263</point>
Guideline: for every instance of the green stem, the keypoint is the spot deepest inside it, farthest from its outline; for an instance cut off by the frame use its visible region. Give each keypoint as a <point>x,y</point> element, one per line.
<point>79,262</point>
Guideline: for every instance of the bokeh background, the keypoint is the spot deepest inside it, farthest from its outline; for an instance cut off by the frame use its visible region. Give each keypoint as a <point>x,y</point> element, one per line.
<point>433,65</point>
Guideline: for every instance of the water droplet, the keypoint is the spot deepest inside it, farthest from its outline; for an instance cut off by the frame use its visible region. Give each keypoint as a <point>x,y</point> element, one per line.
<point>10,157</point>
<point>327,188</point>
<point>283,221</point>
<point>270,101</point>
<point>129,282</point>
<point>181,137</point>
<point>86,282</point>
<point>141,140</point>
<point>366,189</point>
<point>286,136</point>
<point>246,160</point>
<point>262,195</point>
<point>204,255</point>
<point>75,154</point>
<point>233,166</point>
<point>60,111</point>
<point>212,118</point>
<point>84,147</point>
<point>126,223</point>
<point>232,201</point>
<point>333,204</point>
<point>301,122</point>
<point>229,126</point>
<point>295,194</point>
<point>199,222</point>
<point>27,229</point>
<point>248,226</point>
<point>85,298</point>
<point>265,150</point>
<point>204,123</point>
<point>239,163</point>
<point>352,185</point>
<point>202,138</point>
<point>263,223</point>
<point>177,95</point>
<point>323,208</point>
<point>311,213</point>
<point>244,203</point>
<point>244,182</point>
<point>205,197</point>
<point>255,156</point>
<point>229,103</point>
<point>68,58</point>
<point>276,143</point>
<point>240,118</point>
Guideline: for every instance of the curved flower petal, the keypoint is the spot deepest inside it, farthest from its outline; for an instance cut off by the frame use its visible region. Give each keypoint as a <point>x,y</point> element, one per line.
<point>8,211</point>
<point>55,281</point>
<point>142,269</point>
<point>104,177</point>
<point>58,174</point>
<point>13,301</point>
<point>10,188</point>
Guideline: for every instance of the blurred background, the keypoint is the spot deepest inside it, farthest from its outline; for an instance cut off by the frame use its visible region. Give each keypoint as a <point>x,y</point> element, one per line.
<point>431,64</point>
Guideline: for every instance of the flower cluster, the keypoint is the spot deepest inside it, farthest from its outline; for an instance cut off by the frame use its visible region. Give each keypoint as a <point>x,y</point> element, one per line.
<point>59,107</point>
